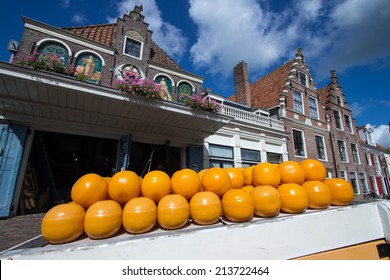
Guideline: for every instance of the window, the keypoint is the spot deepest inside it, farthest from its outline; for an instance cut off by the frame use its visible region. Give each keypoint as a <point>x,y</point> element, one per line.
<point>298,103</point>
<point>320,147</point>
<point>339,100</point>
<point>354,182</point>
<point>249,157</point>
<point>274,157</point>
<point>133,48</point>
<point>299,147</point>
<point>337,119</point>
<point>376,163</point>
<point>221,156</point>
<point>355,153</point>
<point>342,150</point>
<point>368,159</point>
<point>313,107</point>
<point>348,123</point>
<point>303,79</point>
<point>343,174</point>
<point>363,182</point>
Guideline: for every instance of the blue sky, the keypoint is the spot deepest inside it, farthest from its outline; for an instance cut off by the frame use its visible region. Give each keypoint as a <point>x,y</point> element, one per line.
<point>209,37</point>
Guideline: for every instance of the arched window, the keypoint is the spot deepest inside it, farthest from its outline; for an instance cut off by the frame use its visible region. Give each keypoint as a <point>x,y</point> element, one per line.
<point>184,90</point>
<point>89,65</point>
<point>166,86</point>
<point>53,50</point>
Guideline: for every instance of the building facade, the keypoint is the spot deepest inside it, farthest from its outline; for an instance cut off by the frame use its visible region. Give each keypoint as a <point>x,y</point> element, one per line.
<point>347,152</point>
<point>378,164</point>
<point>57,126</point>
<point>318,121</point>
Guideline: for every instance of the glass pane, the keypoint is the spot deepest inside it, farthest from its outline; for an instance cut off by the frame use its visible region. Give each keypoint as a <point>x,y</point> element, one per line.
<point>220,151</point>
<point>274,158</point>
<point>250,155</point>
<point>133,48</point>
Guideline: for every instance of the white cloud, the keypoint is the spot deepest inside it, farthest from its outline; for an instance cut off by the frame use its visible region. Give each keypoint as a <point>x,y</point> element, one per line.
<point>333,34</point>
<point>65,3</point>
<point>357,108</point>
<point>356,34</point>
<point>230,31</point>
<point>381,135</point>
<point>166,35</point>
<point>79,19</point>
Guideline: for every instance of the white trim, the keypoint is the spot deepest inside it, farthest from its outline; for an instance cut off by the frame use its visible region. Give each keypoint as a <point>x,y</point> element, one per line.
<point>357,181</point>
<point>57,41</point>
<point>140,52</point>
<point>184,81</point>
<point>350,122</point>
<point>90,51</point>
<point>165,75</point>
<point>346,152</point>
<point>341,120</point>
<point>303,141</point>
<point>323,142</point>
<point>68,38</point>
<point>357,152</point>
<point>316,102</point>
<point>345,173</point>
<point>302,101</point>
<point>175,73</point>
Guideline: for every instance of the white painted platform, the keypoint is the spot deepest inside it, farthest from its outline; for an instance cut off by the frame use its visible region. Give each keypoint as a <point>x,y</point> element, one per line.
<point>283,237</point>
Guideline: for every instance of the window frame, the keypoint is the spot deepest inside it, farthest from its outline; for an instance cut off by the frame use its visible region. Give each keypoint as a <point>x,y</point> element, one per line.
<point>304,76</point>
<point>348,123</point>
<point>354,181</point>
<point>323,148</point>
<point>298,105</point>
<point>137,41</point>
<point>311,107</point>
<point>249,162</point>
<point>274,154</point>
<point>221,161</point>
<point>303,144</point>
<point>355,153</point>
<point>343,176</point>
<point>339,100</point>
<point>339,123</point>
<point>341,150</point>
<point>363,182</point>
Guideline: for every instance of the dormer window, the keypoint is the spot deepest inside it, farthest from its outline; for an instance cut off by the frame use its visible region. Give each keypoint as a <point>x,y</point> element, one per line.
<point>133,48</point>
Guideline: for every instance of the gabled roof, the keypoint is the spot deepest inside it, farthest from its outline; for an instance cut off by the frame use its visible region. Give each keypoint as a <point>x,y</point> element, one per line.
<point>265,91</point>
<point>106,34</point>
<point>159,56</point>
<point>102,33</point>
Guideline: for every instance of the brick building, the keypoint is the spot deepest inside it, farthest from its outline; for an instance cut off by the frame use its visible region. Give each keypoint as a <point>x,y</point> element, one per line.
<point>319,123</point>
<point>56,126</point>
<point>378,163</point>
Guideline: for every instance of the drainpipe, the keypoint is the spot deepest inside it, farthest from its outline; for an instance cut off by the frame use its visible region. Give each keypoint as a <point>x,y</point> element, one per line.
<point>333,155</point>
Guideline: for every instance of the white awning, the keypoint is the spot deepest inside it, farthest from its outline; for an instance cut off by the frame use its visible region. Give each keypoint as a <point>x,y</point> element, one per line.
<point>51,102</point>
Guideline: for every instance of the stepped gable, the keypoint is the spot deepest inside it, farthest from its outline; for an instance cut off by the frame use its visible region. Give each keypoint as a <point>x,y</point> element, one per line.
<point>106,33</point>
<point>159,56</point>
<point>265,91</point>
<point>102,33</point>
<point>324,93</point>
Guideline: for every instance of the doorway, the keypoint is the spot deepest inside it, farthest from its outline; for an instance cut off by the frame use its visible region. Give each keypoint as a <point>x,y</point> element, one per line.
<point>56,162</point>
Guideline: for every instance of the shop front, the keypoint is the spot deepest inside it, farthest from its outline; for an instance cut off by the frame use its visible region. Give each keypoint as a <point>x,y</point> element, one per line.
<point>55,129</point>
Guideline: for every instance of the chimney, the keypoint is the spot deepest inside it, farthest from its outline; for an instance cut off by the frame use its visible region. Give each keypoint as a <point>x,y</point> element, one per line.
<point>241,84</point>
<point>333,77</point>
